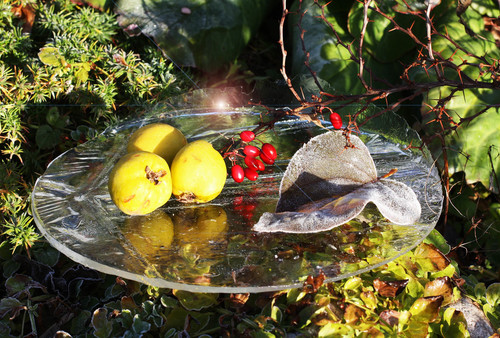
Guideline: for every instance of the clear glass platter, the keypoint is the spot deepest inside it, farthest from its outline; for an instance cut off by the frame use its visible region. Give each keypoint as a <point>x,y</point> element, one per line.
<point>211,247</point>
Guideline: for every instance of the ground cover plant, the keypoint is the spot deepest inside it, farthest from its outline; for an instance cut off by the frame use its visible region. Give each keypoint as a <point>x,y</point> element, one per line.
<point>68,70</point>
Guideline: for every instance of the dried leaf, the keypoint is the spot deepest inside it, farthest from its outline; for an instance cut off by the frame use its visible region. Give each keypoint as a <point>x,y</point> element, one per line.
<point>325,167</point>
<point>312,284</point>
<point>353,314</point>
<point>429,258</point>
<point>440,287</point>
<point>25,13</point>
<point>238,300</point>
<point>391,317</point>
<point>389,288</point>
<point>328,183</point>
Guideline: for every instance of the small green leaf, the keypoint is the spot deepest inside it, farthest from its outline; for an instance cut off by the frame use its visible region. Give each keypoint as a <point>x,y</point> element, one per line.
<point>196,301</point>
<point>102,326</point>
<point>54,118</point>
<point>492,314</point>
<point>438,241</point>
<point>262,334</point>
<point>9,267</point>
<point>46,137</point>
<point>414,288</point>
<point>336,330</point>
<point>353,283</point>
<point>17,283</point>
<point>46,255</point>
<point>178,316</point>
<point>493,294</point>
<point>294,295</point>
<point>139,326</point>
<point>369,299</point>
<point>276,314</point>
<point>480,291</point>
<point>449,271</point>
<point>168,302</point>
<point>80,322</point>
<point>454,324</point>
<point>9,304</point>
<point>51,57</point>
<point>82,73</point>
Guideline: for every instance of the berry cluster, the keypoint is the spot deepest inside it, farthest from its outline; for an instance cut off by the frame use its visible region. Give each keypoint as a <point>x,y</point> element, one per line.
<point>251,154</point>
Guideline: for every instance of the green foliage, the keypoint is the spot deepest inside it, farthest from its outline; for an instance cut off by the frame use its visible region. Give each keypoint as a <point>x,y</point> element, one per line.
<point>408,297</point>
<point>59,85</point>
<point>206,34</point>
<point>460,100</point>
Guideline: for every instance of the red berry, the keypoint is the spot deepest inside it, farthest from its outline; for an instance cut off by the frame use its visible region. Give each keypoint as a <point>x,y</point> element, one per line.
<point>251,174</point>
<point>336,120</point>
<point>260,165</point>
<point>269,150</point>
<point>249,161</point>
<point>254,163</point>
<point>247,136</point>
<point>266,159</point>
<point>251,150</point>
<point>237,173</point>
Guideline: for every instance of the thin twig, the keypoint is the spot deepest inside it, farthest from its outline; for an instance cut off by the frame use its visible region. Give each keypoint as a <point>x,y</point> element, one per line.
<point>284,53</point>
<point>304,49</point>
<point>361,39</point>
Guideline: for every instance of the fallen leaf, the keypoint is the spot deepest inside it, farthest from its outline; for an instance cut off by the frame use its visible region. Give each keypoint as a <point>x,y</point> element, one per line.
<point>25,13</point>
<point>391,317</point>
<point>430,258</point>
<point>426,309</point>
<point>389,288</point>
<point>440,287</point>
<point>312,284</point>
<point>327,184</point>
<point>353,314</point>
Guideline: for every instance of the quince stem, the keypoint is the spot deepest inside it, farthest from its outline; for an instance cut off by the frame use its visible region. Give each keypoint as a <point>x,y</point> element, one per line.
<point>154,177</point>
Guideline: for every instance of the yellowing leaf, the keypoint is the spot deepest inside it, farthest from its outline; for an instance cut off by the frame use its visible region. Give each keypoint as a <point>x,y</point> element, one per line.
<point>426,309</point>
<point>51,56</point>
<point>82,74</point>
<point>429,258</point>
<point>440,287</point>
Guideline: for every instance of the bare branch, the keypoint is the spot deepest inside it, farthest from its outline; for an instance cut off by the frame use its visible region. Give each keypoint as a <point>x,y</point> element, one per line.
<point>284,53</point>
<point>361,39</point>
<point>307,54</point>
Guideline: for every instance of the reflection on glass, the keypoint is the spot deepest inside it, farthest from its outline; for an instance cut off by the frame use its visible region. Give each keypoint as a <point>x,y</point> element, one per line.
<point>211,247</point>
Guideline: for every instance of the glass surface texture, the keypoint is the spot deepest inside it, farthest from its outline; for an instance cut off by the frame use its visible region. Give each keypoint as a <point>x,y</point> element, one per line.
<point>211,247</point>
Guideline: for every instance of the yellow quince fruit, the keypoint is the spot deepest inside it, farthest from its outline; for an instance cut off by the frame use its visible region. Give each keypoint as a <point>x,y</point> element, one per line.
<point>159,138</point>
<point>198,173</point>
<point>140,182</point>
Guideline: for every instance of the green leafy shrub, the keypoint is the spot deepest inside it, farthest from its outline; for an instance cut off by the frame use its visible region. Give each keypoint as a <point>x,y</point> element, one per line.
<point>63,77</point>
<point>379,52</point>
